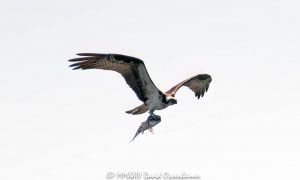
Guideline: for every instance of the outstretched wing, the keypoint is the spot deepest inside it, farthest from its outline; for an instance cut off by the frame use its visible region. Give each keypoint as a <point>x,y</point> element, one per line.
<point>132,69</point>
<point>199,84</point>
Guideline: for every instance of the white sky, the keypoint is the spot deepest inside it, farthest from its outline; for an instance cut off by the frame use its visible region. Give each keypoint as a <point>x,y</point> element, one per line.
<point>61,124</point>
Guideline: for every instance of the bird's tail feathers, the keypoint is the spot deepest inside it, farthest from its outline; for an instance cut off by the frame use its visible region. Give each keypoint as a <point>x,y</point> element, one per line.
<point>138,110</point>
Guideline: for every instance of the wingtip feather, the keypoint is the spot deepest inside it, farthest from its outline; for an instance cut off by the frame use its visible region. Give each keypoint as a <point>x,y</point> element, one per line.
<point>75,68</point>
<point>82,54</point>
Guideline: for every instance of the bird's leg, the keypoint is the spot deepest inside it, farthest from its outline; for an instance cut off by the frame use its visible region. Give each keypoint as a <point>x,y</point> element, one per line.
<point>151,129</point>
<point>151,113</point>
<point>154,119</point>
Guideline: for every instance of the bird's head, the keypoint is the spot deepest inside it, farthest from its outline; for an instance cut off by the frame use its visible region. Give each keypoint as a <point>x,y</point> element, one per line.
<point>171,100</point>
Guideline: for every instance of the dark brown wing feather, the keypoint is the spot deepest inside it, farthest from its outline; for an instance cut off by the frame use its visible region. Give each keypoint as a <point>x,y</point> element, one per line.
<point>199,84</point>
<point>132,69</point>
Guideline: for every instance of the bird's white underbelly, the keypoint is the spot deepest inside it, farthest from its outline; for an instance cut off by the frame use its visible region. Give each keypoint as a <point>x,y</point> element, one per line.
<point>155,104</point>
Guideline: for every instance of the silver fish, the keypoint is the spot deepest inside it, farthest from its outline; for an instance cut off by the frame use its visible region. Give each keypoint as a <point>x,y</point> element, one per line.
<point>151,121</point>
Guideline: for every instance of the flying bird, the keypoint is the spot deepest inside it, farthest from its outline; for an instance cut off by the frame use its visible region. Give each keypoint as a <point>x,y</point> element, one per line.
<point>136,76</point>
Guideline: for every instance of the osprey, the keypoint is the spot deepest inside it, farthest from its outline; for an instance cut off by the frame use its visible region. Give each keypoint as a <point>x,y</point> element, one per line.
<point>136,76</point>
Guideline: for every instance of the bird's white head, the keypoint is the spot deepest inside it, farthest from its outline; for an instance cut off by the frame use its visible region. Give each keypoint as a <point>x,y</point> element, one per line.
<point>171,100</point>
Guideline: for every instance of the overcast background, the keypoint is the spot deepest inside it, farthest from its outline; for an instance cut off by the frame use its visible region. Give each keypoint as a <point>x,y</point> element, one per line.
<point>61,124</point>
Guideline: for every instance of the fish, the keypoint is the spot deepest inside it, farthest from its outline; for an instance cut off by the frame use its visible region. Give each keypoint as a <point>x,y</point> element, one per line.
<point>151,121</point>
